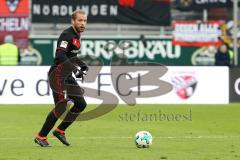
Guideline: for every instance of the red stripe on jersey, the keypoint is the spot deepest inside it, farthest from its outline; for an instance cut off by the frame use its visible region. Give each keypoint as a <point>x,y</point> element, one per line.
<point>58,82</point>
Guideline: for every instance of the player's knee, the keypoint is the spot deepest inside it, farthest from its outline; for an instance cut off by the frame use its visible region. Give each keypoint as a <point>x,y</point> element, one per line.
<point>79,106</point>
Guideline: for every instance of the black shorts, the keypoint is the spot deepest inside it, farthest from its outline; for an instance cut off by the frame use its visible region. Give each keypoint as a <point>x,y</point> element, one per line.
<point>63,86</point>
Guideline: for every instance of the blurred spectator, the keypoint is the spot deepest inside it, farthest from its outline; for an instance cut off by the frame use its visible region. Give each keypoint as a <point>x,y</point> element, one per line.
<point>231,55</point>
<point>143,40</point>
<point>222,57</point>
<point>9,52</point>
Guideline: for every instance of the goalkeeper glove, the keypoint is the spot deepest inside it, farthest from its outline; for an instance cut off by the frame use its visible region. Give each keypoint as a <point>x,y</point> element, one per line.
<point>79,73</point>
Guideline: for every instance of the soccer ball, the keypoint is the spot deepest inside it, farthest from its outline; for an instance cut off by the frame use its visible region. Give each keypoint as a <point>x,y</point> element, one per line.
<point>143,139</point>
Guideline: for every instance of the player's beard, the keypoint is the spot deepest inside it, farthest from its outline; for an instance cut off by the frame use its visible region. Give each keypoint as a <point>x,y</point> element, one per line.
<point>80,29</point>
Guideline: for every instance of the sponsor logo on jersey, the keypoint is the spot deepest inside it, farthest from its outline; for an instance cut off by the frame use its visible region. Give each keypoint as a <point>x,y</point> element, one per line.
<point>64,44</point>
<point>76,42</point>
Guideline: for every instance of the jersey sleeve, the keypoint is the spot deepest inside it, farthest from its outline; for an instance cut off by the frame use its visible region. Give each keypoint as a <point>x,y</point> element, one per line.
<point>63,48</point>
<point>64,43</point>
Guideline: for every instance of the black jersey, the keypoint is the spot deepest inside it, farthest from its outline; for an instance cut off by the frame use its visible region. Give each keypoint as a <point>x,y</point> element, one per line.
<point>66,60</point>
<point>68,44</point>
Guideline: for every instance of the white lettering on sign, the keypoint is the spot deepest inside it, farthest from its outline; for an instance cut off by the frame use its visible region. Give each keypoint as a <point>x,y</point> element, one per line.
<point>14,24</point>
<point>237,86</point>
<point>137,50</point>
<point>210,1</point>
<point>66,10</point>
<point>197,32</point>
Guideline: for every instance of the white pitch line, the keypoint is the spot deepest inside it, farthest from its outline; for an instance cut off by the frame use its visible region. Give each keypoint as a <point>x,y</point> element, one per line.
<point>170,137</point>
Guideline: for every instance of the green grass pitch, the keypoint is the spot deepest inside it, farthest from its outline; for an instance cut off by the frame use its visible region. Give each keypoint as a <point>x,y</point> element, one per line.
<point>180,132</point>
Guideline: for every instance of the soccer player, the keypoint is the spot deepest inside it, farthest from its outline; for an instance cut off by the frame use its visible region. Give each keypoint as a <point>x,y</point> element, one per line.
<point>63,82</point>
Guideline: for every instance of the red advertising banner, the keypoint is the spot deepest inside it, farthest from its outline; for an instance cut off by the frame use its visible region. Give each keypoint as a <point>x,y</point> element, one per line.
<point>17,27</point>
<point>14,21</point>
<point>14,7</point>
<point>197,33</point>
